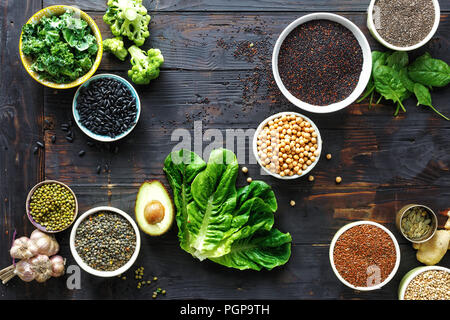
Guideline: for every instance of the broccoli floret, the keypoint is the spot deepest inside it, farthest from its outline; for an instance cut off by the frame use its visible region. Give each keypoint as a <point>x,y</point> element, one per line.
<point>128,18</point>
<point>116,47</point>
<point>145,64</point>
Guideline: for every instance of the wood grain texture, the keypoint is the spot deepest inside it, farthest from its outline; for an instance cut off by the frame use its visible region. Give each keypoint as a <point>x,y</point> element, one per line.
<point>239,6</point>
<point>385,162</point>
<point>21,114</point>
<point>197,41</point>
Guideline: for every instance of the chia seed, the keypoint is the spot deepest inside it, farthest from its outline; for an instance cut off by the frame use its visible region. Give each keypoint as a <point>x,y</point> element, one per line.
<point>105,241</point>
<point>403,23</point>
<point>320,62</point>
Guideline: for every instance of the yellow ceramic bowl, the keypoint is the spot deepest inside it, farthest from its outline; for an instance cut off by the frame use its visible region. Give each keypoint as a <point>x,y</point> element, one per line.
<point>59,10</point>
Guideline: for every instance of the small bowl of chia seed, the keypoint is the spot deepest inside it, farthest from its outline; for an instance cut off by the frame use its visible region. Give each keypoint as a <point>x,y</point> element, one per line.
<point>105,241</point>
<point>106,107</point>
<point>403,25</point>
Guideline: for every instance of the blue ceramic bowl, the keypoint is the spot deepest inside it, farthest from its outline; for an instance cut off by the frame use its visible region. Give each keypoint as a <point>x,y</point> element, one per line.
<point>89,133</point>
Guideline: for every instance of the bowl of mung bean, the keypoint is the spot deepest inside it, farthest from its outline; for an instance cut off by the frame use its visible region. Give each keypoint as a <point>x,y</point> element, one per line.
<point>425,283</point>
<point>105,241</point>
<point>287,145</point>
<point>51,206</point>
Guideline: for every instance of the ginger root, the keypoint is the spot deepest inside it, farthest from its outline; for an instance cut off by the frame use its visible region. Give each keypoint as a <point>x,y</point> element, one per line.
<point>432,251</point>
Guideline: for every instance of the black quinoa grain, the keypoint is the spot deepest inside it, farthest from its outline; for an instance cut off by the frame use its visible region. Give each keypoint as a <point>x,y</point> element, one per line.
<point>106,107</point>
<point>320,62</point>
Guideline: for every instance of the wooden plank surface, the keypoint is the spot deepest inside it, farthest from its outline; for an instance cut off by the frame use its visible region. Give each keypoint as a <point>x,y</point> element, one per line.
<point>21,115</point>
<point>239,6</point>
<point>385,162</point>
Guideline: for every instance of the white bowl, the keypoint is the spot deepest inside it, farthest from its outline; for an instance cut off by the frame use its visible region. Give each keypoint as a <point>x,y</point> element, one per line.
<point>411,275</point>
<point>93,271</point>
<point>376,35</point>
<point>255,146</point>
<point>95,136</point>
<point>363,78</point>
<point>349,226</point>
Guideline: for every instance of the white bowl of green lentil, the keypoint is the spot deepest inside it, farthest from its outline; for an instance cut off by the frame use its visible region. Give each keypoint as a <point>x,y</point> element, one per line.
<point>352,92</point>
<point>374,14</point>
<point>373,272</point>
<point>60,225</point>
<point>427,288</point>
<point>84,265</point>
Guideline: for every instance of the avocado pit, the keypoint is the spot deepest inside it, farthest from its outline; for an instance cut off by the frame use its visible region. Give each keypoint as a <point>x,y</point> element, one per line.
<point>154,212</point>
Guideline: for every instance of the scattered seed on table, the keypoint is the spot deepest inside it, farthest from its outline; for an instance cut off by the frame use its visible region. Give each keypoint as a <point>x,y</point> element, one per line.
<point>68,138</point>
<point>338,179</point>
<point>81,153</point>
<point>99,169</point>
<point>35,150</point>
<point>249,180</point>
<point>53,139</point>
<point>40,144</point>
<point>328,156</point>
<point>292,203</point>
<point>311,178</point>
<point>244,169</point>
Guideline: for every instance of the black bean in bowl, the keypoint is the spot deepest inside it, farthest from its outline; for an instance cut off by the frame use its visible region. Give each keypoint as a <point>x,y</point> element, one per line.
<point>106,107</point>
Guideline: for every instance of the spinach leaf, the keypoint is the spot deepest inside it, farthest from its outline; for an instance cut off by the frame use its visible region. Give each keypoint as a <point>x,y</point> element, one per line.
<point>424,98</point>
<point>397,60</point>
<point>406,81</point>
<point>388,84</point>
<point>429,72</point>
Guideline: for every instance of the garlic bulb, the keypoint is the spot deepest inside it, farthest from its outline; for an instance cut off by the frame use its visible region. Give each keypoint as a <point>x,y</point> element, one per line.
<point>46,244</point>
<point>23,248</point>
<point>24,270</point>
<point>42,267</point>
<point>58,263</point>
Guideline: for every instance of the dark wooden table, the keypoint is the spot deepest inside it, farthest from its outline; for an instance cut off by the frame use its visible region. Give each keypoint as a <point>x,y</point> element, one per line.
<point>385,162</point>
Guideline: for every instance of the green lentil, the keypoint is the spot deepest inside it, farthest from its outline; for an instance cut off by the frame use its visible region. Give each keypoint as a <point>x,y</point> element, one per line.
<point>105,241</point>
<point>52,206</point>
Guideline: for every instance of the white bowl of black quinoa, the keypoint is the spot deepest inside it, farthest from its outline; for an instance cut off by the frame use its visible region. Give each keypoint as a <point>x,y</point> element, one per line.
<point>105,241</point>
<point>106,107</point>
<point>403,25</point>
<point>322,62</point>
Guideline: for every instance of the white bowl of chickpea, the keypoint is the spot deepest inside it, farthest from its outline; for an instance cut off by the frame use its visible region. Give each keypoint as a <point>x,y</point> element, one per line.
<point>287,145</point>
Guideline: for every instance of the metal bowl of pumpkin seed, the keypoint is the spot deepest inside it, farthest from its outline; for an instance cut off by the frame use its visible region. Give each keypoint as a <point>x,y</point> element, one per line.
<point>417,223</point>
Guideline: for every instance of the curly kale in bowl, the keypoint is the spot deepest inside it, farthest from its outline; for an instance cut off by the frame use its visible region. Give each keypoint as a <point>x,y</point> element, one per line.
<point>62,48</point>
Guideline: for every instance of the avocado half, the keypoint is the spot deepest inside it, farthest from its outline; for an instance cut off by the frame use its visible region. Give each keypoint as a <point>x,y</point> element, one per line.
<point>154,208</point>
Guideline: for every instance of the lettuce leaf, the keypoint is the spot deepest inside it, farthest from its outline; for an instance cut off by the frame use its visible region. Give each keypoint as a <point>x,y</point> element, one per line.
<point>217,222</point>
